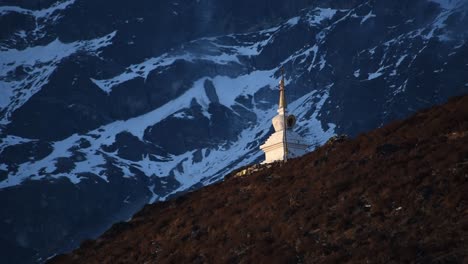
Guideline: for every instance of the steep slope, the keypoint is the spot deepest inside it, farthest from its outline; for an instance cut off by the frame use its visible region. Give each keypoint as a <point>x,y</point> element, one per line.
<point>108,105</point>
<point>393,195</point>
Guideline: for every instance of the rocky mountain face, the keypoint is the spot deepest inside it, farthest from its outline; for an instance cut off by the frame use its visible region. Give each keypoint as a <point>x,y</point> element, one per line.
<point>394,195</point>
<point>109,105</point>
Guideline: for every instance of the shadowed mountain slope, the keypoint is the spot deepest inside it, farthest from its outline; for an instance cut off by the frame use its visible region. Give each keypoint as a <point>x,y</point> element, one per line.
<point>394,195</point>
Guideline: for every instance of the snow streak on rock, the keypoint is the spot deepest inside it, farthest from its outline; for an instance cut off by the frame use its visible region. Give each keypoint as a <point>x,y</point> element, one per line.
<point>214,49</point>
<point>42,18</point>
<point>36,65</point>
<point>47,13</point>
<point>210,169</point>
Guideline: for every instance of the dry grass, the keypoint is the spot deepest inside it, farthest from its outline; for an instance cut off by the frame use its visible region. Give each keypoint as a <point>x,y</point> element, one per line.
<point>394,195</point>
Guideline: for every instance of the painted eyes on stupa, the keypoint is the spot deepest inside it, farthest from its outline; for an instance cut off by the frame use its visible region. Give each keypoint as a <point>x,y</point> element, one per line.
<point>290,121</point>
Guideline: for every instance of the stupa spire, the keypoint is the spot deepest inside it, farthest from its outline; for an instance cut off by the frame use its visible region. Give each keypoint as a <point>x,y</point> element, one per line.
<point>282,99</point>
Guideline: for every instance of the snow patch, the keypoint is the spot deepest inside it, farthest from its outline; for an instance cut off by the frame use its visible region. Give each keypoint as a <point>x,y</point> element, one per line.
<point>39,63</point>
<point>142,70</point>
<point>12,140</point>
<point>182,115</point>
<point>377,74</point>
<point>293,21</point>
<point>374,75</point>
<point>154,196</point>
<point>357,73</point>
<point>367,17</point>
<point>232,88</point>
<point>400,60</point>
<point>311,127</point>
<point>318,15</point>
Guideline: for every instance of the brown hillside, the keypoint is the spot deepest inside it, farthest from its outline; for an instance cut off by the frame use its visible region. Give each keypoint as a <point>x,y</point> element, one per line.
<point>398,194</point>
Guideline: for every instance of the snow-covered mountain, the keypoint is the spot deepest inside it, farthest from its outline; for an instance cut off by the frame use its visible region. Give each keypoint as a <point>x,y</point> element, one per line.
<point>107,106</point>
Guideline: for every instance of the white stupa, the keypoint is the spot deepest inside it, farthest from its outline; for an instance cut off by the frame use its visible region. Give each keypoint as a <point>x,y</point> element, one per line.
<point>284,143</point>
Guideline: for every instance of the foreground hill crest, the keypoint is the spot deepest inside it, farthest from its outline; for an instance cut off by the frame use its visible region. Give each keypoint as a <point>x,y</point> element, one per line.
<point>395,194</point>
